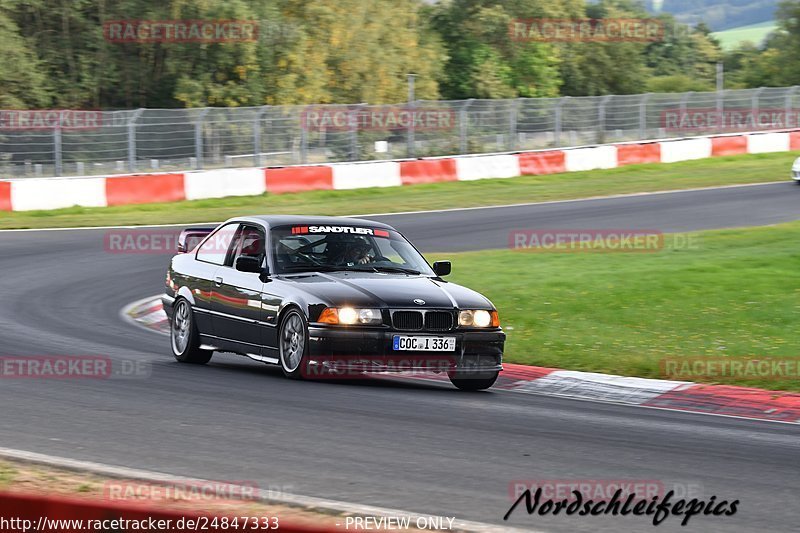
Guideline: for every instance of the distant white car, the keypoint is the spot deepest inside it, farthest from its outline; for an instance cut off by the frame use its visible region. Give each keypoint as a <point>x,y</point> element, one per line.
<point>796,171</point>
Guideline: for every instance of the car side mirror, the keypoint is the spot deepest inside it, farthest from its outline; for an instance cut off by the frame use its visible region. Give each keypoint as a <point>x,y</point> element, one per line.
<point>442,268</point>
<point>249,264</point>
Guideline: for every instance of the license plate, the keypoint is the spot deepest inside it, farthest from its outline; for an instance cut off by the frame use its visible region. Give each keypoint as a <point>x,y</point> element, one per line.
<point>423,344</point>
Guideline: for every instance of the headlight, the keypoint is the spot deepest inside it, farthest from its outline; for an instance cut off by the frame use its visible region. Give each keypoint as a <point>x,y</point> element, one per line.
<point>350,316</point>
<point>478,319</point>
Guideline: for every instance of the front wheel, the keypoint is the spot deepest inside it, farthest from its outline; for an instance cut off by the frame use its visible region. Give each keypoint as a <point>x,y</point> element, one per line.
<point>474,381</point>
<point>185,339</point>
<point>293,343</point>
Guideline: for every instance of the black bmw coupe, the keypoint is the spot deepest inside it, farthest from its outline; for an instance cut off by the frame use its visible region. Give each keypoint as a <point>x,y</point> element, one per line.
<point>326,297</point>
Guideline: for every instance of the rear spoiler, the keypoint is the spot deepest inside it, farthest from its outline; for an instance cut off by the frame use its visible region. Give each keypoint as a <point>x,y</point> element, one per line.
<point>191,237</point>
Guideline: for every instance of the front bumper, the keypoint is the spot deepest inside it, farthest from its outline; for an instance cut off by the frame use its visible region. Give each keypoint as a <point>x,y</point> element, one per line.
<point>370,350</point>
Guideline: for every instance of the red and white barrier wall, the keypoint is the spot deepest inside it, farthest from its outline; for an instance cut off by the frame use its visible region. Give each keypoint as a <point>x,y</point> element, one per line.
<point>52,193</point>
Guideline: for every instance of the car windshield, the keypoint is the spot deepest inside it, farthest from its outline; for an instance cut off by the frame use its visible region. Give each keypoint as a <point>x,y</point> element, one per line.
<point>352,248</point>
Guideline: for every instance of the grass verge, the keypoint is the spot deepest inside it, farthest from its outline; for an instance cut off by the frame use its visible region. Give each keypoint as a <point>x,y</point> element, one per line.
<point>728,170</point>
<point>735,294</point>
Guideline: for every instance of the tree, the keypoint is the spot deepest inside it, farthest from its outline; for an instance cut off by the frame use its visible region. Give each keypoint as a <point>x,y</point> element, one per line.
<point>485,61</point>
<point>22,82</point>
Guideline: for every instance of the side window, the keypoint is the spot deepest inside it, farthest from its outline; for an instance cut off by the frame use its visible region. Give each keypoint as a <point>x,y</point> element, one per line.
<point>249,242</point>
<point>215,249</point>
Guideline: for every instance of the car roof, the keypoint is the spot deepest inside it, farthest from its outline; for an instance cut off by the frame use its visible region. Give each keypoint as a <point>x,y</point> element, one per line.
<point>309,220</point>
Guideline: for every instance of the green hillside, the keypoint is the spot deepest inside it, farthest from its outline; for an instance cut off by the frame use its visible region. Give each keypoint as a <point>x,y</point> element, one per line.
<point>755,33</point>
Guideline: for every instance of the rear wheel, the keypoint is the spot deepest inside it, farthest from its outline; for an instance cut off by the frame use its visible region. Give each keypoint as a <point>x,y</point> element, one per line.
<point>185,339</point>
<point>473,381</point>
<point>293,343</point>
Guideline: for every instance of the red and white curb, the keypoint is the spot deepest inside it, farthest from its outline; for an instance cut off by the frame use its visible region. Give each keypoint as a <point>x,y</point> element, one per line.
<point>27,194</point>
<point>147,313</point>
<point>722,400</point>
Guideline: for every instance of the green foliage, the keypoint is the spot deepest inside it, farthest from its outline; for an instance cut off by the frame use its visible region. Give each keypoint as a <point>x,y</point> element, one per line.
<point>307,51</point>
<point>677,83</point>
<point>22,80</point>
<point>484,60</point>
<point>776,61</point>
<point>349,51</point>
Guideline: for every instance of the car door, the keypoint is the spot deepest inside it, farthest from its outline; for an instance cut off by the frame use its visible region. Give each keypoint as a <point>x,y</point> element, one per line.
<point>209,259</point>
<point>237,310</point>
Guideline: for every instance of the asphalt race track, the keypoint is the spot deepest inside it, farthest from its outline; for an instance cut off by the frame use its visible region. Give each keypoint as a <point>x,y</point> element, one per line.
<point>483,229</point>
<point>420,447</point>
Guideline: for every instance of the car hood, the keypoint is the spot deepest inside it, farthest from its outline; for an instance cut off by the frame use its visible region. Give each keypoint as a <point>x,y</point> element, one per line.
<point>366,289</point>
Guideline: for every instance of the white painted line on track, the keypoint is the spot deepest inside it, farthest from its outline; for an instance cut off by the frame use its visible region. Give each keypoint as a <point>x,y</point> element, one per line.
<point>295,500</point>
<point>448,210</point>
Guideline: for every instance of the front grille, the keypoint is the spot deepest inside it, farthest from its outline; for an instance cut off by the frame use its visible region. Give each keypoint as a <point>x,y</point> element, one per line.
<point>409,320</point>
<point>418,320</point>
<point>438,320</point>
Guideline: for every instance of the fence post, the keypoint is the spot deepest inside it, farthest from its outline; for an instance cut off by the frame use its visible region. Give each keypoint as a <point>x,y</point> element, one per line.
<point>601,119</point>
<point>198,138</point>
<point>353,122</point>
<point>643,116</point>
<point>754,105</point>
<point>682,110</point>
<point>412,101</point>
<point>59,164</point>
<point>132,139</point>
<point>788,104</point>
<point>257,136</point>
<point>463,125</point>
<point>512,124</point>
<point>559,121</point>
<point>303,140</point>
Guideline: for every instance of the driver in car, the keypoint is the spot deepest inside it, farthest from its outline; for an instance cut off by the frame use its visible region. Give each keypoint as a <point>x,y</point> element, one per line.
<point>348,252</point>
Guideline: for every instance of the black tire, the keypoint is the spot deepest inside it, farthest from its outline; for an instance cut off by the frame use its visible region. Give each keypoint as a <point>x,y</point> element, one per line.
<point>183,335</point>
<point>293,343</point>
<point>797,182</point>
<point>473,381</point>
